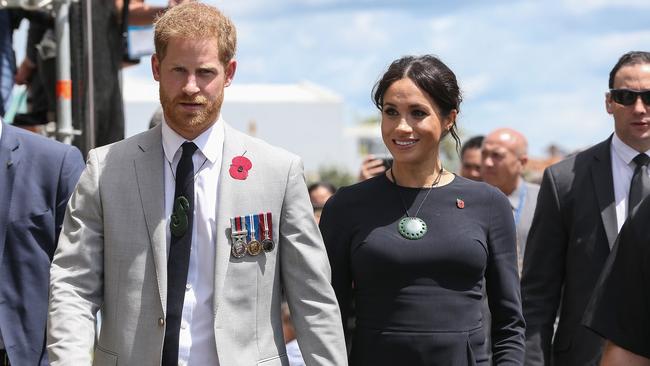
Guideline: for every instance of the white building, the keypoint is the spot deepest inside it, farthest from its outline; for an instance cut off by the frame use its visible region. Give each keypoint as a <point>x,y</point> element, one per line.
<point>303,118</point>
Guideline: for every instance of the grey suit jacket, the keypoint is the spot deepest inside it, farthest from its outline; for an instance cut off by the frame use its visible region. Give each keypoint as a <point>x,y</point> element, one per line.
<point>112,255</point>
<point>573,229</point>
<point>528,191</point>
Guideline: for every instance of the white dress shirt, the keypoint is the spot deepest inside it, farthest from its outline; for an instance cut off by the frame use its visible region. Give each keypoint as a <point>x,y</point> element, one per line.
<point>196,342</point>
<point>622,171</point>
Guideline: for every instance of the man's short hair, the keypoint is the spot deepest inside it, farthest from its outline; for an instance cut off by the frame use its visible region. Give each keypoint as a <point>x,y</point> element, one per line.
<point>329,186</point>
<point>630,58</point>
<point>195,20</point>
<point>473,143</point>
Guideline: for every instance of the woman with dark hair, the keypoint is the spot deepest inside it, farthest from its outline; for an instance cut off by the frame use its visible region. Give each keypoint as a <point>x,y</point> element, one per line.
<point>414,247</point>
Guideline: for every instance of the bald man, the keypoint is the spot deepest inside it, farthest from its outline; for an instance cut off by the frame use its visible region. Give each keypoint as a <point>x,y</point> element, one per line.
<point>504,155</point>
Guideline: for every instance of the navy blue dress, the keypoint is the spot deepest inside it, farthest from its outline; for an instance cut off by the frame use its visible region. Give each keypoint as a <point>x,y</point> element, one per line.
<point>418,302</point>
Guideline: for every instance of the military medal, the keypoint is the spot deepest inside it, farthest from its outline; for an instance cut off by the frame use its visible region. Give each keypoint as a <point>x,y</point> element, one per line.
<point>413,227</point>
<point>238,237</point>
<point>266,222</point>
<point>254,247</point>
<point>178,222</point>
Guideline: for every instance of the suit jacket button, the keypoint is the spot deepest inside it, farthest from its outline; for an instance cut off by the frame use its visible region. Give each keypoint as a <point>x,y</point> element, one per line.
<point>161,321</point>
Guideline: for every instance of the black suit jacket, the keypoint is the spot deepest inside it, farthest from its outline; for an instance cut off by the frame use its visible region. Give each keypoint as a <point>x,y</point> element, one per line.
<point>573,229</point>
<point>37,176</point>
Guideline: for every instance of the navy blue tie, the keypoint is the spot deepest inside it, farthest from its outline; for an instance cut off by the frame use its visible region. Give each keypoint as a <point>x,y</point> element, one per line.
<point>179,252</point>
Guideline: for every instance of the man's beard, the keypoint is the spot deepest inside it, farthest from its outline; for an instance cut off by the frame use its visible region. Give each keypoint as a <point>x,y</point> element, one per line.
<point>175,116</point>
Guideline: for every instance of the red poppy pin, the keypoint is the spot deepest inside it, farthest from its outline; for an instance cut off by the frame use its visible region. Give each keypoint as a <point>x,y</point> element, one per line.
<point>239,167</point>
<point>460,203</point>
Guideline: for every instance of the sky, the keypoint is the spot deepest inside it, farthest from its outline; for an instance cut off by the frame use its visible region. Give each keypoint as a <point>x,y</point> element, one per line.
<point>540,67</point>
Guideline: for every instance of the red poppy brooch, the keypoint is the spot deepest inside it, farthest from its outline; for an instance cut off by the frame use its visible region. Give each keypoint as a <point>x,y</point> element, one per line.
<point>460,203</point>
<point>239,167</point>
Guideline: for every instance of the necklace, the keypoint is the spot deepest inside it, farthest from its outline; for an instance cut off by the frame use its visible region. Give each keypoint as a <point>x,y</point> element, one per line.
<point>413,227</point>
<point>195,174</point>
<point>179,221</point>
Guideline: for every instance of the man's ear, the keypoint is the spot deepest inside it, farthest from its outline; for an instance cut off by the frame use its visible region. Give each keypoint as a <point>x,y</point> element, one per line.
<point>155,67</point>
<point>230,69</point>
<point>608,103</point>
<point>524,160</point>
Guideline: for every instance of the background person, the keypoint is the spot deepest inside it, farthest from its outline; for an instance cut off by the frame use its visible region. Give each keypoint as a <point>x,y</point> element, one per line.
<point>38,176</point>
<point>418,241</point>
<point>319,193</point>
<point>583,201</point>
<point>504,155</point>
<point>619,310</point>
<point>470,158</point>
<point>154,233</point>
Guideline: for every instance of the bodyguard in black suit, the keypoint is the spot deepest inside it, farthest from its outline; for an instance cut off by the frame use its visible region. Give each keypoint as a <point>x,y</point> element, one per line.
<point>37,176</point>
<point>619,310</point>
<point>582,203</point>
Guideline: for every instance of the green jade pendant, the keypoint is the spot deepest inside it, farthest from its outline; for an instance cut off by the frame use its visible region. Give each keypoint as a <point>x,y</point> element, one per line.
<point>178,222</point>
<point>412,228</point>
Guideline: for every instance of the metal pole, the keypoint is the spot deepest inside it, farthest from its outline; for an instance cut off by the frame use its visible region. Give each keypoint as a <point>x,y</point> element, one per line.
<point>65,132</point>
<point>89,125</point>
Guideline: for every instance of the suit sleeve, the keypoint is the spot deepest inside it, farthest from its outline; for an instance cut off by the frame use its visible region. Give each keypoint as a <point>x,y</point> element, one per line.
<point>76,275</point>
<point>71,169</point>
<point>337,242</point>
<point>306,277</point>
<point>502,285</point>
<point>620,307</point>
<point>543,272</point>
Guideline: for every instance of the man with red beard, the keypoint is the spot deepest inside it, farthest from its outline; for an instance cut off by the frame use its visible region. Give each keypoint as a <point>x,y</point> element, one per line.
<point>188,235</point>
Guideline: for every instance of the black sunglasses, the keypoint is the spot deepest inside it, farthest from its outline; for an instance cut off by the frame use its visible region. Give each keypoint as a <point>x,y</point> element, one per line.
<point>628,97</point>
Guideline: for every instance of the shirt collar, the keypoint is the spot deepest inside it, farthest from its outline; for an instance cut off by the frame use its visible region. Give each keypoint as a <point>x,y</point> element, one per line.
<point>210,142</point>
<point>623,151</point>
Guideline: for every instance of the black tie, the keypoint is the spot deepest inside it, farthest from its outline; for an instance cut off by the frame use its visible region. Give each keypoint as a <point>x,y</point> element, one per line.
<point>179,252</point>
<point>640,184</point>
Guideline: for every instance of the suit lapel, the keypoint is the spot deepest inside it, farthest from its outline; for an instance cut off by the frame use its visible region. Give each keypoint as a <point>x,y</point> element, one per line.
<point>149,169</point>
<point>601,172</point>
<point>10,155</point>
<point>226,207</point>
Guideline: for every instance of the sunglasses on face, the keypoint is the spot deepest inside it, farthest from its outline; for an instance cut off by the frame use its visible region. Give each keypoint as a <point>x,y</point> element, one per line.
<point>628,97</point>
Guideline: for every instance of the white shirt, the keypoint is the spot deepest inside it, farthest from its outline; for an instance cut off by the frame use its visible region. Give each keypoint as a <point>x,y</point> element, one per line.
<point>196,342</point>
<point>622,171</point>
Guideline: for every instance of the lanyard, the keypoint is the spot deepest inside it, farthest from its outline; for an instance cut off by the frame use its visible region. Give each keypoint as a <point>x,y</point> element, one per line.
<point>520,206</point>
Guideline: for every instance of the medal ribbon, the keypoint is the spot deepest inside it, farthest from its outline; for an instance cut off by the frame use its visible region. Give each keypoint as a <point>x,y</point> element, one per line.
<point>250,230</point>
<point>268,224</point>
<point>256,227</point>
<point>238,224</point>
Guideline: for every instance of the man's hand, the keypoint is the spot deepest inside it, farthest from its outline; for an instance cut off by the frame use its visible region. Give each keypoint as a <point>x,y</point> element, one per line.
<point>24,72</point>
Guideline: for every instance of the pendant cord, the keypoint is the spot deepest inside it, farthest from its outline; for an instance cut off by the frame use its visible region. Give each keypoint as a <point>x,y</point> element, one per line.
<point>193,177</point>
<point>435,183</point>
